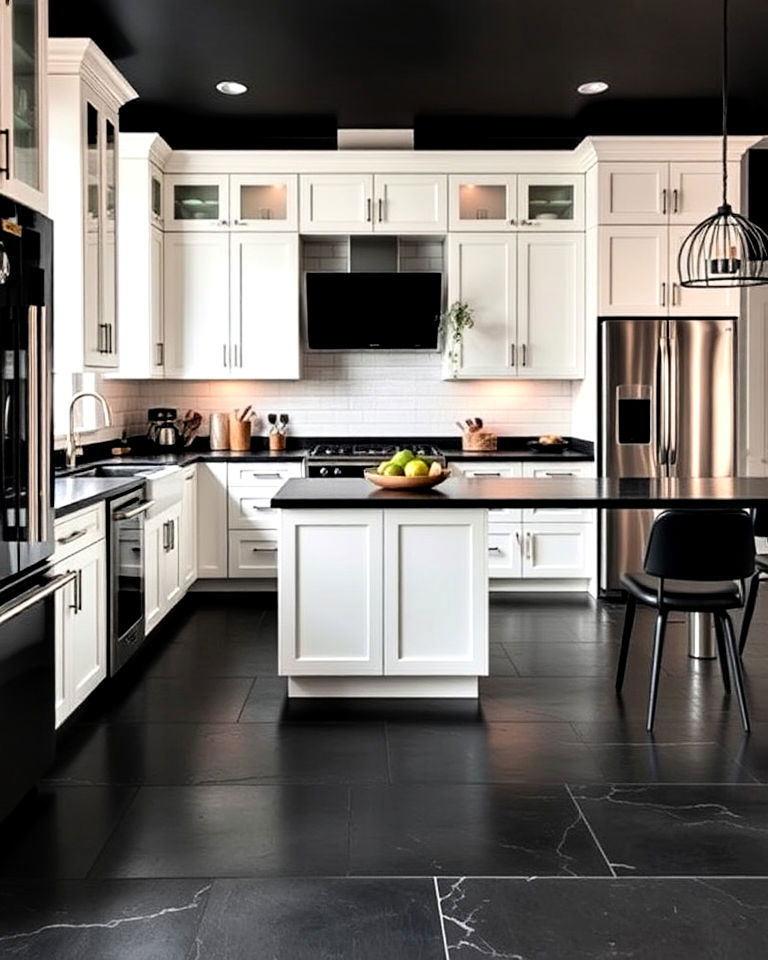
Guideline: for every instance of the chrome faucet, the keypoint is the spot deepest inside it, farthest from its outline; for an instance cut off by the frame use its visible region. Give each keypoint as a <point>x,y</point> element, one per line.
<point>73,440</point>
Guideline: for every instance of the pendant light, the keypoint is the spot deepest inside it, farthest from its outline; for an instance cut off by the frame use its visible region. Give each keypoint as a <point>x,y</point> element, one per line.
<point>726,249</point>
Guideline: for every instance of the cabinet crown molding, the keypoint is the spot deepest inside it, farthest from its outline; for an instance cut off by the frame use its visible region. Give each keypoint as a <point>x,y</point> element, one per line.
<point>672,149</point>
<point>145,146</point>
<point>79,56</point>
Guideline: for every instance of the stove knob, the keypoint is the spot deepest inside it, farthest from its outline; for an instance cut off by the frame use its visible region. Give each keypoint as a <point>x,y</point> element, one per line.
<point>328,451</point>
<point>337,471</point>
<point>323,471</point>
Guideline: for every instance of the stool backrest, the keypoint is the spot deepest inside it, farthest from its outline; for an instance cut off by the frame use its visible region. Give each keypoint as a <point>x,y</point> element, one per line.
<point>701,545</point>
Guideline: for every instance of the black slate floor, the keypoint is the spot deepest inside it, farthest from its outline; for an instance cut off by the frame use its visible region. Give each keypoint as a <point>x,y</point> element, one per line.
<point>193,813</point>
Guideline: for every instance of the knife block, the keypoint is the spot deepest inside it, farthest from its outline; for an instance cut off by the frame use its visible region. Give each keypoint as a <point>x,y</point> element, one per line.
<point>479,440</point>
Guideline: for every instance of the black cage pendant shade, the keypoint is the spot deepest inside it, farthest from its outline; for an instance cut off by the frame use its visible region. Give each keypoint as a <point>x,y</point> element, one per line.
<point>726,249</point>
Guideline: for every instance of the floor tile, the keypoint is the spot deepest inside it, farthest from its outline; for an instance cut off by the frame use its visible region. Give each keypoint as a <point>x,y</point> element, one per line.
<point>106,919</point>
<point>476,829</point>
<point>189,753</point>
<point>680,829</point>
<point>595,919</point>
<point>59,832</point>
<point>211,657</point>
<point>230,831</point>
<point>660,762</point>
<point>563,659</point>
<point>194,699</point>
<point>488,752</point>
<point>267,701</point>
<point>303,919</point>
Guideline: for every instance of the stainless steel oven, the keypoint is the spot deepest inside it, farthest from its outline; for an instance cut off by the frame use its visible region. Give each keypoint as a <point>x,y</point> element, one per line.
<point>126,577</point>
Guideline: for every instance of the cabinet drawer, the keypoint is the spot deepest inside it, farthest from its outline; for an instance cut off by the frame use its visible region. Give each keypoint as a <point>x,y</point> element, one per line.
<point>252,554</point>
<point>554,470</point>
<point>504,550</point>
<point>272,475</point>
<point>77,531</point>
<point>485,468</point>
<point>249,508</point>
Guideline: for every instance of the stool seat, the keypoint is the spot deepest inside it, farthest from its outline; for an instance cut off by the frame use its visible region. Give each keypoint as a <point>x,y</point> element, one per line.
<point>691,595</point>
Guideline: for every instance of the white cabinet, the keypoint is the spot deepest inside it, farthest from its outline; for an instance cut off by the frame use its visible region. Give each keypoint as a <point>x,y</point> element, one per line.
<point>140,266</point>
<point>639,276</point>
<point>548,471</point>
<point>210,202</point>
<point>85,95</point>
<point>232,305</point>
<point>23,104</point>
<point>408,589</point>
<point>504,550</point>
<point>529,202</point>
<point>211,520</point>
<point>253,554</point>
<point>361,203</point>
<point>659,193</point>
<point>331,593</point>
<point>163,566</point>
<point>188,528</point>
<point>556,551</point>
<point>80,626</point>
<point>527,293</point>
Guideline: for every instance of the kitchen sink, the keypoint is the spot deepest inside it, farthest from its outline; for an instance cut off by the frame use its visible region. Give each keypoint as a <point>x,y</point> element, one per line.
<point>122,470</point>
<point>162,483</point>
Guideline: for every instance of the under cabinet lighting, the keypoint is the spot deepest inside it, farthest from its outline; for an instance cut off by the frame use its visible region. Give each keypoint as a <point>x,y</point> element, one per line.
<point>592,87</point>
<point>232,88</point>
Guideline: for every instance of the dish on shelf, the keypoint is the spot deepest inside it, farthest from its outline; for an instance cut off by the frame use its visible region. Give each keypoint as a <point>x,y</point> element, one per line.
<point>539,447</point>
<point>405,483</point>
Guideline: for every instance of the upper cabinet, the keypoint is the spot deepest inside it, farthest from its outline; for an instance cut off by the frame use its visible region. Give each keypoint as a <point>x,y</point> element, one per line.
<point>392,203</point>
<point>23,106</point>
<point>659,193</point>
<point>85,95</point>
<point>229,202</point>
<point>489,202</point>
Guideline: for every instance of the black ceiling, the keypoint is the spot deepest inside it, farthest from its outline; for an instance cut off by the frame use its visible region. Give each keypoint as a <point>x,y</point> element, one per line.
<point>463,73</point>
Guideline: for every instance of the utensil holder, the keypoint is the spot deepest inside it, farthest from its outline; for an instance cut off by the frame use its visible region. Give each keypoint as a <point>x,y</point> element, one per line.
<point>277,441</point>
<point>218,431</point>
<point>239,434</point>
<point>479,440</point>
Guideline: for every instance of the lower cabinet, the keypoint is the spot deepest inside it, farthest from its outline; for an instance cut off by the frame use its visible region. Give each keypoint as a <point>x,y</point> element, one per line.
<point>188,528</point>
<point>81,628</point>
<point>163,566</point>
<point>211,521</point>
<point>383,593</point>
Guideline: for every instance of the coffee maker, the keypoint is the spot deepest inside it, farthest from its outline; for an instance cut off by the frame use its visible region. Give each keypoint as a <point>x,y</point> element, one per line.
<point>162,427</point>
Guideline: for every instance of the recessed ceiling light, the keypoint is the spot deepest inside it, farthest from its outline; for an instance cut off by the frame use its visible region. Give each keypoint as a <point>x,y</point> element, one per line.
<point>592,87</point>
<point>232,88</point>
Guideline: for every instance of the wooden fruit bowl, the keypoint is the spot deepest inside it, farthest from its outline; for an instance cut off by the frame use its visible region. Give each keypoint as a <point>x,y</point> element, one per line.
<point>405,483</point>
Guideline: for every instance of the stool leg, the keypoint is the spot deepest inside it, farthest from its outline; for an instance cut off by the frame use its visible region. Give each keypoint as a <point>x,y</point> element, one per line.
<point>722,654</point>
<point>626,636</point>
<point>658,649</point>
<point>749,609</point>
<point>736,674</point>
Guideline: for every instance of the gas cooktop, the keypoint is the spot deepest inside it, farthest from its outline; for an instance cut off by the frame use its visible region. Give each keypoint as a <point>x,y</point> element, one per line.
<point>378,451</point>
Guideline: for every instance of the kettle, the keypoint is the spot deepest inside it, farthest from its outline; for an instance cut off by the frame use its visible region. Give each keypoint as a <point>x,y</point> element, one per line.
<point>162,427</point>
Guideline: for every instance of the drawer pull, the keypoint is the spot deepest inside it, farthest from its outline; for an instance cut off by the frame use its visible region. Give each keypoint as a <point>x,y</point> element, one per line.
<point>484,474</point>
<point>75,535</point>
<point>267,476</point>
<point>495,550</point>
<point>260,508</point>
<point>559,473</point>
<point>264,549</point>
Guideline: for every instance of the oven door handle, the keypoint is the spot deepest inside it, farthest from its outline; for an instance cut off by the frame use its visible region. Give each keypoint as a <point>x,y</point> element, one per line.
<point>35,596</point>
<point>130,514</point>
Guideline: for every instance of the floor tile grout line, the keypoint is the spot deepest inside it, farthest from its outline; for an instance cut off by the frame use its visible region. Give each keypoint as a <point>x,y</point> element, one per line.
<point>440,917</point>
<point>247,698</point>
<point>591,831</point>
<point>113,831</point>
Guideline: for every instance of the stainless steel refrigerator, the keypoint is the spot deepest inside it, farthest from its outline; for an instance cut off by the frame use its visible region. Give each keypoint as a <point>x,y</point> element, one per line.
<point>668,409</point>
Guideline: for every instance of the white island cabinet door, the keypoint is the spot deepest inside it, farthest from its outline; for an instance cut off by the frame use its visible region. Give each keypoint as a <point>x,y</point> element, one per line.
<point>436,593</point>
<point>330,602</point>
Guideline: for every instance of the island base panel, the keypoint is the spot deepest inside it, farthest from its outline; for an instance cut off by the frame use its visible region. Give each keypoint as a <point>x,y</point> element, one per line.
<point>396,687</point>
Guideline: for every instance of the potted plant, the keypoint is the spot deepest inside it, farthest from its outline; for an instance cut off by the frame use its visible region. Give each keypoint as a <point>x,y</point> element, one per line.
<point>453,323</point>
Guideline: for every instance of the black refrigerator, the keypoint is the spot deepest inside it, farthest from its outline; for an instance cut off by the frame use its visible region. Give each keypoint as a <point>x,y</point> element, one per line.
<point>26,522</point>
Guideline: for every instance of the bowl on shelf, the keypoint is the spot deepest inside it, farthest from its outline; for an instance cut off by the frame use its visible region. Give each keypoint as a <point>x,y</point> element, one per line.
<point>405,483</point>
<point>538,447</point>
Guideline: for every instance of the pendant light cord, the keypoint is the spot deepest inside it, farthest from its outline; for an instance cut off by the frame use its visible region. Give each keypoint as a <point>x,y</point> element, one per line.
<point>724,93</point>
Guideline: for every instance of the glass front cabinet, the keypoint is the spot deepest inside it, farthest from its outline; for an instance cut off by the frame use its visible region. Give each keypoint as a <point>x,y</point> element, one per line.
<point>23,107</point>
<point>260,202</point>
<point>543,202</point>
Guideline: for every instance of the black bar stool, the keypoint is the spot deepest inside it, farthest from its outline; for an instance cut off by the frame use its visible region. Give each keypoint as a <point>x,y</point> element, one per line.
<point>760,523</point>
<point>693,561</point>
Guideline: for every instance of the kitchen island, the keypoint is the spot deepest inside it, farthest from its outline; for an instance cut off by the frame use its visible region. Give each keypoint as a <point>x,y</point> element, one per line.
<point>385,593</point>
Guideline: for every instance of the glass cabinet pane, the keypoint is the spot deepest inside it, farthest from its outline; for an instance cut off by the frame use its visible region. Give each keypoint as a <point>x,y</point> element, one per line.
<point>551,201</point>
<point>93,326</point>
<point>26,147</point>
<point>110,246</point>
<point>157,198</point>
<point>263,201</point>
<point>487,201</point>
<point>195,201</point>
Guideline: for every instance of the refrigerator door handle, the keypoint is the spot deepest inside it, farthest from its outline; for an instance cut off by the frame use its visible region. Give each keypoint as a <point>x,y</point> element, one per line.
<point>672,401</point>
<point>33,427</point>
<point>662,404</point>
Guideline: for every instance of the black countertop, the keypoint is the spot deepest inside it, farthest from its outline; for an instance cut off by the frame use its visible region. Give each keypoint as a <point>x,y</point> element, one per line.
<point>563,492</point>
<point>75,493</point>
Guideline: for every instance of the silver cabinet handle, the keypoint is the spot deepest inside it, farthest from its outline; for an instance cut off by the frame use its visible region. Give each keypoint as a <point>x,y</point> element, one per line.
<point>525,354</point>
<point>79,592</point>
<point>512,222</point>
<point>494,550</point>
<point>264,549</point>
<point>173,534</point>
<point>368,210</point>
<point>140,508</point>
<point>236,364</point>
<point>5,132</point>
<point>663,293</point>
<point>187,479</point>
<point>512,355</point>
<point>160,354</point>
<point>664,201</point>
<point>75,535</point>
<point>524,223</point>
<point>75,597</point>
<point>224,354</point>
<point>381,210</point>
<point>675,198</point>
<point>518,538</point>
<point>267,476</point>
<point>559,473</point>
<point>676,295</point>
<point>166,536</point>
<point>482,473</point>
<point>223,223</point>
<point>35,596</point>
<point>528,546</point>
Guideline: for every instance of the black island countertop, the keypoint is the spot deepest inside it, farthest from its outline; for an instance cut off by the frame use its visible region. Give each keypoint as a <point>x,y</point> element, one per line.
<point>491,493</point>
